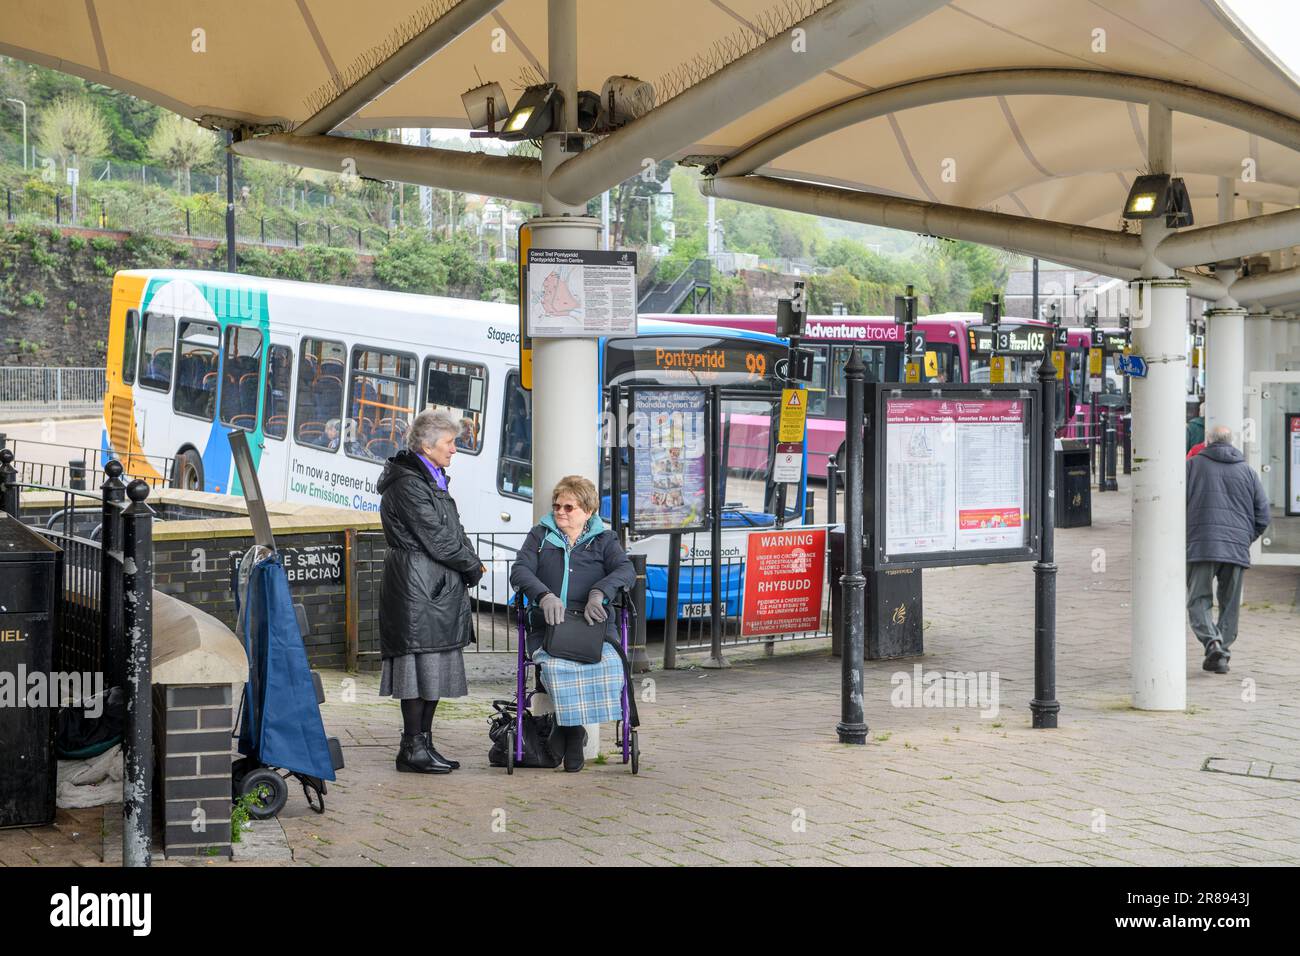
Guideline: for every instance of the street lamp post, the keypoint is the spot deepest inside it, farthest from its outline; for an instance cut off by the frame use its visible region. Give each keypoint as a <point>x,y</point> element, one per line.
<point>10,99</point>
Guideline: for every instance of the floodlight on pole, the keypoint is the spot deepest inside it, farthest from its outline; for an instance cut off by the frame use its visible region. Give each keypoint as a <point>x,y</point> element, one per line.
<point>534,114</point>
<point>1156,195</point>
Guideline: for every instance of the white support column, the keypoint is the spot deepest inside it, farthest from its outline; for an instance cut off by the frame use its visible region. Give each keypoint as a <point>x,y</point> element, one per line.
<point>1159,664</point>
<point>1281,341</point>
<point>1159,305</point>
<point>1225,343</point>
<point>1259,340</point>
<point>566,386</point>
<point>1293,340</point>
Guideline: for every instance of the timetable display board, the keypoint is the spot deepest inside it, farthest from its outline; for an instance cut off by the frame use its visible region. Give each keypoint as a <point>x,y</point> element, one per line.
<point>669,461</point>
<point>955,474</point>
<point>1292,464</point>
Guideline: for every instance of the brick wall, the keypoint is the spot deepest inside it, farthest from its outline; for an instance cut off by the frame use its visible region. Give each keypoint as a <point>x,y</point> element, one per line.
<point>197,570</point>
<point>192,745</point>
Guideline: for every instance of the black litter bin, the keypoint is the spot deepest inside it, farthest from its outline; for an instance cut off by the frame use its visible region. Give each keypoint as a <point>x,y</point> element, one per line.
<point>893,607</point>
<point>29,568</point>
<point>1073,485</point>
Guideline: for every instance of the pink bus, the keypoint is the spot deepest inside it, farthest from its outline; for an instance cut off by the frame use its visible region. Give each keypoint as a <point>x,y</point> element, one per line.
<point>1112,396</point>
<point>880,341</point>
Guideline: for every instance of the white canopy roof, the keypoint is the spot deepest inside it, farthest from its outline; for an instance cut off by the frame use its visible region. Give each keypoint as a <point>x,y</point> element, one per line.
<point>1029,107</point>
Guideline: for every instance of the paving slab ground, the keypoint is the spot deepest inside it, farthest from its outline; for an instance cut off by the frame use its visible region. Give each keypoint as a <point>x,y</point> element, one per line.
<point>742,766</point>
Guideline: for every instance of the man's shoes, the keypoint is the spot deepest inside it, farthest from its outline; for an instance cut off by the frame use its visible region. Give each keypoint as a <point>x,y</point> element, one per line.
<point>575,738</point>
<point>1216,658</point>
<point>453,764</point>
<point>414,756</point>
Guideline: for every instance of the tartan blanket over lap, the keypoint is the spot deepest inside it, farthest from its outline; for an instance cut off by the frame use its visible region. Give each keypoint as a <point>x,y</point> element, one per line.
<point>584,693</point>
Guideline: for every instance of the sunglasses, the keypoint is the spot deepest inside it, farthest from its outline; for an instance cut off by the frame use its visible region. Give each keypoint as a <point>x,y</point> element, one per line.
<point>565,508</point>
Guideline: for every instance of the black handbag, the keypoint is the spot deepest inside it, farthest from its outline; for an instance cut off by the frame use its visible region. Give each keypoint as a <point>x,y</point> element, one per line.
<point>574,639</point>
<point>536,737</point>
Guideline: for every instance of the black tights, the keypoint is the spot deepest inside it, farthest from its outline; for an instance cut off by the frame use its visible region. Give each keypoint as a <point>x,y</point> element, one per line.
<point>417,715</point>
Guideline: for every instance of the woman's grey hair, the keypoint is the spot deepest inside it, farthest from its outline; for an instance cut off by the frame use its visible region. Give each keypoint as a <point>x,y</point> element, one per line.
<point>429,427</point>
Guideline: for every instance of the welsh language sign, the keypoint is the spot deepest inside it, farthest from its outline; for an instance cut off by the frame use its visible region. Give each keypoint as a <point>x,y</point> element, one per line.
<point>581,292</point>
<point>784,573</point>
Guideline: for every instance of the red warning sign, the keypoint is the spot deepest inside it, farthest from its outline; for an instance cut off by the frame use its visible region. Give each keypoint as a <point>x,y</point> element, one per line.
<point>784,573</point>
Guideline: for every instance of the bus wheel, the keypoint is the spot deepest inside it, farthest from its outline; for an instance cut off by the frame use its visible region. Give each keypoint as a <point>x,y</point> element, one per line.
<point>187,473</point>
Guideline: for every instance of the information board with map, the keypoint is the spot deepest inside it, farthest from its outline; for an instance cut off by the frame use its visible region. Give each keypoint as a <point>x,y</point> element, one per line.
<point>581,292</point>
<point>952,475</point>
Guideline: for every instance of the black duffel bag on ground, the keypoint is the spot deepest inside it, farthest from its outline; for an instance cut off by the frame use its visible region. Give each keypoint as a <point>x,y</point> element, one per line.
<point>537,736</point>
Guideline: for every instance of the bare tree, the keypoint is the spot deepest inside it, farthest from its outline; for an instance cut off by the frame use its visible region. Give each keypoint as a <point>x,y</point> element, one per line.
<point>181,145</point>
<point>71,126</point>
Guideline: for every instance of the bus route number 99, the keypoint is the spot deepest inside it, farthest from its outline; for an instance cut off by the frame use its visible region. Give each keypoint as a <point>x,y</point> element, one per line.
<point>756,364</point>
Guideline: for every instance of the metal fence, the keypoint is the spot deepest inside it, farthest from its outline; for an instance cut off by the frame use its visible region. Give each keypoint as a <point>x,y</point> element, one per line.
<point>41,389</point>
<point>495,626</point>
<point>79,466</point>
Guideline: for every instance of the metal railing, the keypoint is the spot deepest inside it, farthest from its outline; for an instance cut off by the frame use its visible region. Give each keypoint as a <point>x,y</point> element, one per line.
<point>81,468</point>
<point>42,390</point>
<point>104,614</point>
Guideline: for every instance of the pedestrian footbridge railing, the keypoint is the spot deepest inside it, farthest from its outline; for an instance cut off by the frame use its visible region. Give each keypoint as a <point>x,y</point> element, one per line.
<point>43,390</point>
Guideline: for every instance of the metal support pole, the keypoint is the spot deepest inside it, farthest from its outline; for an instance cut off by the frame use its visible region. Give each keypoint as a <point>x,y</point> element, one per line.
<point>852,728</point>
<point>137,742</point>
<point>832,482</point>
<point>718,468</point>
<point>637,658</point>
<point>187,222</point>
<point>58,209</point>
<point>230,204</point>
<point>1128,441</point>
<point>262,220</point>
<point>1045,706</point>
<point>8,483</point>
<point>112,636</point>
<point>670,612</point>
<point>613,413</point>
<point>1109,480</point>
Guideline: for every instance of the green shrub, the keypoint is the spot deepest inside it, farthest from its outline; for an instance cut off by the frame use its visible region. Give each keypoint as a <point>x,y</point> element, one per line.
<point>76,243</point>
<point>103,244</point>
<point>33,299</point>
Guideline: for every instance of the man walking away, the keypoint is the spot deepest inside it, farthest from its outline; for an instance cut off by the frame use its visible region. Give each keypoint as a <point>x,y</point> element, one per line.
<point>1227,509</point>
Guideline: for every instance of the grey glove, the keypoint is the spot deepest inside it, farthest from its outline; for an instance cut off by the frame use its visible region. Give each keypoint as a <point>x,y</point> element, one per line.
<point>595,612</point>
<point>552,609</point>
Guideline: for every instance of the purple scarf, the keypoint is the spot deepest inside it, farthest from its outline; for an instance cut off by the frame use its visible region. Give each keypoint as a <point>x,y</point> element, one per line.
<point>439,477</point>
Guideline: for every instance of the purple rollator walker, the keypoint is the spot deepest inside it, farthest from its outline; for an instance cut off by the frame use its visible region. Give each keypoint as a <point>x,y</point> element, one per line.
<point>524,696</point>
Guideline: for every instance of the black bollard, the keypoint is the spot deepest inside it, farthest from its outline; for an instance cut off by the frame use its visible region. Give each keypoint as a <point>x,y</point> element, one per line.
<point>1045,706</point>
<point>832,481</point>
<point>852,728</point>
<point>8,483</point>
<point>638,660</point>
<point>113,636</point>
<point>137,619</point>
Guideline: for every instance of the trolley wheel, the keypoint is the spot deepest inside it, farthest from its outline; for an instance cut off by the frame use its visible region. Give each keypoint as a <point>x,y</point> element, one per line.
<point>270,789</point>
<point>636,754</point>
<point>510,751</point>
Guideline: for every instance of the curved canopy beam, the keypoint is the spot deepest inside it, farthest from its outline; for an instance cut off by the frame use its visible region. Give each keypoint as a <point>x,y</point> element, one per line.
<point>1231,240</point>
<point>1047,240</point>
<point>511,177</point>
<point>1092,84</point>
<point>1268,288</point>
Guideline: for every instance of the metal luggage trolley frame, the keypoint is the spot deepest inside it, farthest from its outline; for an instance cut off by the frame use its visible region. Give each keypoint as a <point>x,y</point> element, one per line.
<point>524,697</point>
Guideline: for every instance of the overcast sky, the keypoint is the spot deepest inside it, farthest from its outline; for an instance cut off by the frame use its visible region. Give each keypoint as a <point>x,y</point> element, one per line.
<point>1276,24</point>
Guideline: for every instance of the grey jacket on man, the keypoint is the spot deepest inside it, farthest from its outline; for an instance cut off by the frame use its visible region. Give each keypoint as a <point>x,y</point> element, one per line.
<point>1227,506</point>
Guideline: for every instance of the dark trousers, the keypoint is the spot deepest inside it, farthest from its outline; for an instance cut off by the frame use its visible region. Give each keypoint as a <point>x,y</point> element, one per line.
<point>1202,576</point>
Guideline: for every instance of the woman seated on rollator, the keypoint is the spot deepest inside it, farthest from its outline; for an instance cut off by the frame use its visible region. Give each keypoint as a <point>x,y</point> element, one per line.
<point>570,559</point>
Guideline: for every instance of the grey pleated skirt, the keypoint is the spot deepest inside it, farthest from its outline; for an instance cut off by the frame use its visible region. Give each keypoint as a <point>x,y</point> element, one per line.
<point>430,676</point>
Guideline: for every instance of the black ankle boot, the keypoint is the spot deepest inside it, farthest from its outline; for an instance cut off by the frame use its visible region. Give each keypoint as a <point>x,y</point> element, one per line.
<point>414,757</point>
<point>575,738</point>
<point>426,740</point>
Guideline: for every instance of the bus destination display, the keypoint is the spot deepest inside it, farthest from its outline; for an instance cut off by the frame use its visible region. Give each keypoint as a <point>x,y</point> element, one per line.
<point>955,475</point>
<point>1016,340</point>
<point>692,360</point>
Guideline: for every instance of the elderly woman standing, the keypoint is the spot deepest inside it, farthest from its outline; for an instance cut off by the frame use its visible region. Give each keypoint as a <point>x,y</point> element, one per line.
<point>424,609</point>
<point>570,560</point>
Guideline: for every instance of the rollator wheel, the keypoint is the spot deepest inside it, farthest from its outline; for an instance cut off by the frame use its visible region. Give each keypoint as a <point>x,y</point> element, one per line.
<point>636,754</point>
<point>270,789</point>
<point>510,751</point>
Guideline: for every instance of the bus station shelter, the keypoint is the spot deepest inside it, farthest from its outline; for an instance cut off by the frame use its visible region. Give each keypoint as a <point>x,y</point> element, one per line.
<point>1018,125</point>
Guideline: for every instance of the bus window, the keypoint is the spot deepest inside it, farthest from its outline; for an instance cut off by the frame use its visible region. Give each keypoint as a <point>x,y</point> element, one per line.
<point>381,401</point>
<point>817,387</point>
<point>873,357</point>
<point>198,370</point>
<point>128,347</point>
<point>515,470</point>
<point>462,390</point>
<point>275,407</point>
<point>156,356</point>
<point>320,394</point>
<point>241,377</point>
<point>945,357</point>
